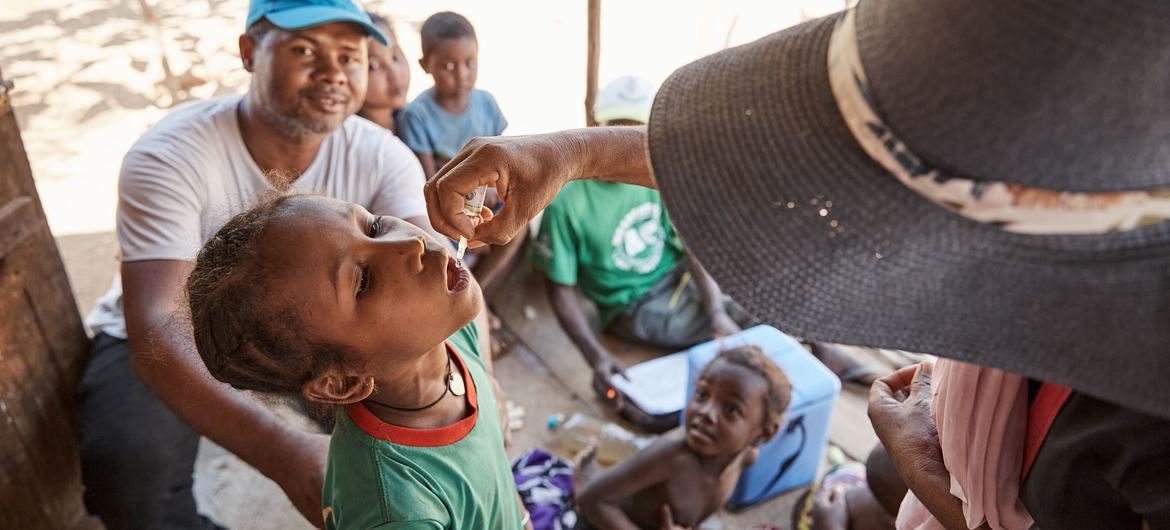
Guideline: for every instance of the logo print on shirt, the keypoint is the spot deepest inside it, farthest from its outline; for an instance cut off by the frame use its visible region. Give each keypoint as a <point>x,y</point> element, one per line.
<point>638,241</point>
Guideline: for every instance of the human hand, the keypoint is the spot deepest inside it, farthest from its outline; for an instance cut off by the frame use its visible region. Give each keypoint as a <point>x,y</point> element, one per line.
<point>526,172</point>
<point>605,368</point>
<point>668,519</point>
<point>899,408</point>
<point>723,325</point>
<point>298,467</point>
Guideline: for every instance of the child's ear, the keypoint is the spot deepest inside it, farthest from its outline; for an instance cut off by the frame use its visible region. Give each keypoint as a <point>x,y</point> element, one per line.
<point>768,431</point>
<point>422,61</point>
<point>334,387</point>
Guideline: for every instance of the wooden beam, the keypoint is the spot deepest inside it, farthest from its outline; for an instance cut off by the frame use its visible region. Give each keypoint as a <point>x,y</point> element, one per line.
<point>593,57</point>
<point>18,220</point>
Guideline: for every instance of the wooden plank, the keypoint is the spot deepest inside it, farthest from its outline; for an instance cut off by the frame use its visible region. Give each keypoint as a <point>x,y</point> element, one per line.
<point>593,57</point>
<point>18,220</point>
<point>43,437</point>
<point>43,350</point>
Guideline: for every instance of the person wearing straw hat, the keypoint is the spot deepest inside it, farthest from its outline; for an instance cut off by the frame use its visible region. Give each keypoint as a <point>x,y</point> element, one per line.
<point>929,176</point>
<point>615,243</point>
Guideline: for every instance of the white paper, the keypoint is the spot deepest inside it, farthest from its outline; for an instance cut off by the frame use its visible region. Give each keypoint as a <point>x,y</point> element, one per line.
<point>657,386</point>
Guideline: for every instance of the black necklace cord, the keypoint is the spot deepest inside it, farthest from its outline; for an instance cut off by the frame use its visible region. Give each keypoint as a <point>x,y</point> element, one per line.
<point>446,390</point>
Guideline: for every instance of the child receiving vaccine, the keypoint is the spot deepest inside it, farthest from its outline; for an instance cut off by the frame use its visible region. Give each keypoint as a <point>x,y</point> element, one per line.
<point>687,475</point>
<point>315,297</point>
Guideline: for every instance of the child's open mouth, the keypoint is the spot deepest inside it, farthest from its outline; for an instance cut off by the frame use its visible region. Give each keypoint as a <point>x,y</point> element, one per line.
<point>457,277</point>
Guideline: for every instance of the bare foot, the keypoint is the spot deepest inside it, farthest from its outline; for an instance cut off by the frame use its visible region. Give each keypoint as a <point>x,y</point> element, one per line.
<point>585,466</point>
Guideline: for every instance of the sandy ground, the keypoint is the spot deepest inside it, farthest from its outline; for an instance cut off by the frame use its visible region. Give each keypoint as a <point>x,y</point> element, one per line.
<point>92,75</point>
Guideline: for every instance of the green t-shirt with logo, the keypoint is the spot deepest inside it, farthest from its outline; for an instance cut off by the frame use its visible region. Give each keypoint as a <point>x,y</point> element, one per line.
<point>614,241</point>
<point>455,477</point>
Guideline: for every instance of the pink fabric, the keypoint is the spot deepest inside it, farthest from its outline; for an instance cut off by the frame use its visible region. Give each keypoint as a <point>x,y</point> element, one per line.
<point>981,415</point>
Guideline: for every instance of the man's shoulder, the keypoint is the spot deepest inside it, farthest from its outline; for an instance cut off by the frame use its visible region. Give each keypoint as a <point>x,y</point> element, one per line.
<point>193,129</point>
<point>371,145</point>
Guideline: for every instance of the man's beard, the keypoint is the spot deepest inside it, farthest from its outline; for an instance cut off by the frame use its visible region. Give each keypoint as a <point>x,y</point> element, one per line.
<point>295,124</point>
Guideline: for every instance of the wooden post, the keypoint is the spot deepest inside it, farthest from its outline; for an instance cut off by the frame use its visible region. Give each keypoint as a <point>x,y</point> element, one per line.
<point>43,349</point>
<point>593,57</point>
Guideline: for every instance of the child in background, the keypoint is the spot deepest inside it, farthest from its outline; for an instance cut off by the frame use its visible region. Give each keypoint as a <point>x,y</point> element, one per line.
<point>446,116</point>
<point>389,78</point>
<point>441,120</point>
<point>312,296</point>
<point>687,475</point>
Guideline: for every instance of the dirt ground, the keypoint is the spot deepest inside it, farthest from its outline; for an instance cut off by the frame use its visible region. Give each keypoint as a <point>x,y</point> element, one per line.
<point>92,75</point>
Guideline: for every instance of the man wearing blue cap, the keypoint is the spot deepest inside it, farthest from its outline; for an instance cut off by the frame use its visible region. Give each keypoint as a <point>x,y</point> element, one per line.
<point>146,397</point>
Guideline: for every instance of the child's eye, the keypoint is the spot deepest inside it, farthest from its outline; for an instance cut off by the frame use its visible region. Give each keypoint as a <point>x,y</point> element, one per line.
<point>375,227</point>
<point>301,50</point>
<point>732,410</point>
<point>448,66</point>
<point>701,395</point>
<point>364,282</point>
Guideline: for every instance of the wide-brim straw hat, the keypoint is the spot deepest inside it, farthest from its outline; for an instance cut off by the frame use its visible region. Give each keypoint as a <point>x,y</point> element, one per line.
<point>749,143</point>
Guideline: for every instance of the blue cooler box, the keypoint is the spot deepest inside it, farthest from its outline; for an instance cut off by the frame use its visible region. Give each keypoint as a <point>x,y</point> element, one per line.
<point>791,458</point>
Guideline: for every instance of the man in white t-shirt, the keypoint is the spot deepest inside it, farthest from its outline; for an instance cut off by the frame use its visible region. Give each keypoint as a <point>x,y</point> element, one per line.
<point>188,174</point>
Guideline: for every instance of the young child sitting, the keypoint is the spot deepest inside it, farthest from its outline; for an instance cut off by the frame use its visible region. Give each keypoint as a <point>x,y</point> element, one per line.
<point>310,296</point>
<point>688,475</point>
<point>446,116</point>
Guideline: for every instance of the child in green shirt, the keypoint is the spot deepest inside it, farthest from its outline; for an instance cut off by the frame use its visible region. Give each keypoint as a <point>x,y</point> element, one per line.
<point>305,295</point>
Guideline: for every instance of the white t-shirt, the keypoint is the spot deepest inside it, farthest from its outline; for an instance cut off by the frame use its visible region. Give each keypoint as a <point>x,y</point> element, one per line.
<point>191,172</point>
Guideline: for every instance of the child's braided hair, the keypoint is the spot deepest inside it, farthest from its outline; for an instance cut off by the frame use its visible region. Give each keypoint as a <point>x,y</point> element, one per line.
<point>248,336</point>
<point>753,358</point>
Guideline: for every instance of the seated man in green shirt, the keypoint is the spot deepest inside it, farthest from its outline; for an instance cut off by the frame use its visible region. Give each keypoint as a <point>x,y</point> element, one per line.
<point>616,243</point>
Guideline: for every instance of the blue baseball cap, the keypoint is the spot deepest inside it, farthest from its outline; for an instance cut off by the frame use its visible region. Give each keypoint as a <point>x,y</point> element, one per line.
<point>301,14</point>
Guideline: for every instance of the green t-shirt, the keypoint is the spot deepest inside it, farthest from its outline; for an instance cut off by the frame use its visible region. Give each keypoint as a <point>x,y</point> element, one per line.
<point>454,477</point>
<point>614,241</point>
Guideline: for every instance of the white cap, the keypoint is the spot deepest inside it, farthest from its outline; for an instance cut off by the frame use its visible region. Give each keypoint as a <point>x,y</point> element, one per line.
<point>626,98</point>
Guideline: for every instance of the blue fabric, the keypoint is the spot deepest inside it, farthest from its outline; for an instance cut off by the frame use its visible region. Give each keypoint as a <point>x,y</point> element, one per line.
<point>428,129</point>
<point>300,14</point>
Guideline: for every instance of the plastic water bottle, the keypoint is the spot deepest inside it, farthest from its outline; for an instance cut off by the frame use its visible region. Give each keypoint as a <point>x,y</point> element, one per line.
<point>614,443</point>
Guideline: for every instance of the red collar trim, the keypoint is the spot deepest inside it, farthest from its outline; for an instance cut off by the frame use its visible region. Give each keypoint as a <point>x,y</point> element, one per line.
<point>373,426</point>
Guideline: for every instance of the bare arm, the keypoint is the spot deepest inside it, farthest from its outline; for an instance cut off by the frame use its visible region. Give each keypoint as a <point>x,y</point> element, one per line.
<point>563,299</point>
<point>528,171</point>
<point>598,502</point>
<point>722,324</point>
<point>164,356</point>
<point>427,161</point>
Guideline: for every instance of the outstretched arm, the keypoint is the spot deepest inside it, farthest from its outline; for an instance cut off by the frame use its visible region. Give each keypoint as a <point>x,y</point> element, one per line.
<point>598,502</point>
<point>164,356</point>
<point>528,171</point>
